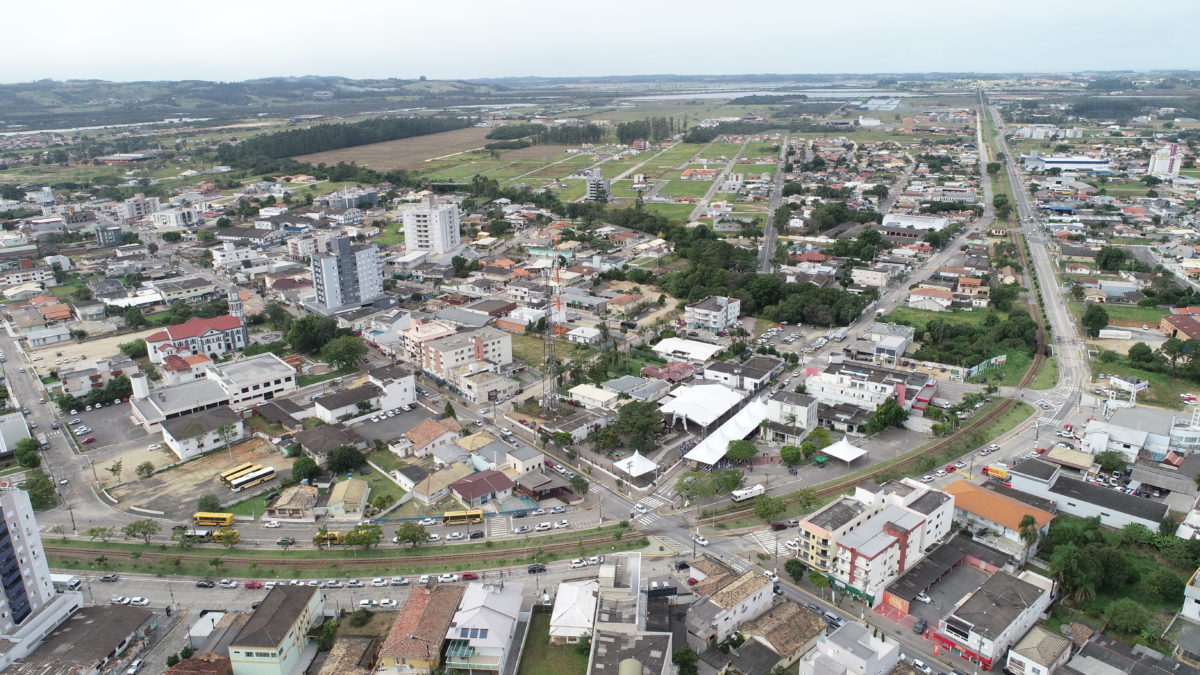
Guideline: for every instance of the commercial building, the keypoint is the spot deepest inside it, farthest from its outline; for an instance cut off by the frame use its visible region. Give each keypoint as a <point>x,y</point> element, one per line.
<point>213,337</point>
<point>109,235</point>
<point>275,639</point>
<point>1078,163</point>
<point>996,518</point>
<point>714,313</point>
<point>629,624</point>
<point>1165,161</point>
<point>852,648</point>
<point>29,607</point>
<point>1040,652</point>
<point>413,646</point>
<point>196,433</point>
<point>191,290</point>
<point>901,220</point>
<point>349,275</point>
<point>432,227</point>
<point>749,375</point>
<point>992,619</point>
<point>240,383</point>
<point>94,639</point>
<point>480,634</point>
<point>866,386</point>
<point>1115,509</point>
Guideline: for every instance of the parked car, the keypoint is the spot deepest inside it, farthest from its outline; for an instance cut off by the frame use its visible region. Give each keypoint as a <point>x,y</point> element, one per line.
<point>561,525</point>
<point>475,534</point>
<point>110,578</point>
<point>388,603</point>
<point>920,626</point>
<point>522,529</point>
<point>455,536</point>
<point>778,526</point>
<point>119,600</point>
<point>138,601</point>
<point>448,578</point>
<point>536,568</point>
<point>135,667</point>
<point>577,563</point>
<point>205,583</point>
<point>470,576</point>
<point>253,585</point>
<point>923,598</point>
<point>426,522</point>
<point>542,527</point>
<point>273,524</point>
<point>379,582</point>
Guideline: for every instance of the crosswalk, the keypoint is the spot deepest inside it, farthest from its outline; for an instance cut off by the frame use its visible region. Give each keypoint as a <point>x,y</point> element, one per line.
<point>675,544</point>
<point>651,502</point>
<point>1046,419</point>
<point>500,527</point>
<point>768,541</point>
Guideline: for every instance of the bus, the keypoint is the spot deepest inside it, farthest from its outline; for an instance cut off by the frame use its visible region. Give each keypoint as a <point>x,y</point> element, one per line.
<point>462,517</point>
<point>65,582</point>
<point>212,519</point>
<point>197,536</point>
<point>251,479</point>
<point>237,471</point>
<point>327,538</point>
<point>222,535</point>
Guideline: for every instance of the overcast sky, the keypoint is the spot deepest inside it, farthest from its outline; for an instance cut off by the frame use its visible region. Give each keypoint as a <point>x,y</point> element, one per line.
<point>237,40</point>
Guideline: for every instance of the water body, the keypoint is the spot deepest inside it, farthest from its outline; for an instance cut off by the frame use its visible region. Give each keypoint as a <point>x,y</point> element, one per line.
<point>811,93</point>
<point>174,120</point>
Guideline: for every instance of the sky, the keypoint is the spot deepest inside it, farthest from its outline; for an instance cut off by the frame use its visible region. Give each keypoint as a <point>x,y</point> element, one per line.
<point>462,39</point>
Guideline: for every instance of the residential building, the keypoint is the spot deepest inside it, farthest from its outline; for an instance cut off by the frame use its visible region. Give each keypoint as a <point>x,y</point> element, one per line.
<point>398,385</point>
<point>432,227</point>
<point>574,613</point>
<point>413,646</point>
<point>436,486</point>
<point>29,607</point>
<point>914,222</point>
<point>199,432</point>
<point>109,235</point>
<point>786,632</point>
<point>212,337</point>
<point>637,388</point>
<point>480,488</point>
<point>870,276</point>
<point>348,403</point>
<point>297,502</point>
<point>996,518</point>
<point>931,299</point>
<point>599,188</point>
<point>13,429</point>
<point>1165,161</point>
<point>191,290</point>
<point>423,439</point>
<point>79,382</point>
<point>310,244</point>
<point>592,397</point>
<point>230,254</point>
<point>852,649</point>
<point>348,499</point>
<point>481,632</point>
<point>240,383</point>
<point>584,335</point>
<point>717,616</point>
<point>714,313</point>
<point>1040,652</point>
<point>348,275</point>
<point>441,356</point>
<point>866,386</point>
<point>42,274</point>
<point>175,218</point>
<point>791,416</point>
<point>992,619</point>
<point>137,207</point>
<point>275,639</point>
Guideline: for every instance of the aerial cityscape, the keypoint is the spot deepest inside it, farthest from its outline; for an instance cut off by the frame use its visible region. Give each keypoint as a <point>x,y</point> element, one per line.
<point>546,371</point>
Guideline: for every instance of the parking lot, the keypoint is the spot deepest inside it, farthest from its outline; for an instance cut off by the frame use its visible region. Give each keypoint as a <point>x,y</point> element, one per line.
<point>110,425</point>
<point>388,428</point>
<point>84,353</point>
<point>948,592</point>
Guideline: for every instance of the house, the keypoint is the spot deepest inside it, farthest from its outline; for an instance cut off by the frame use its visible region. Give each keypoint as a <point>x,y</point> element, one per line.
<point>791,416</point>
<point>347,403</point>
<point>851,648</point>
<point>749,375</point>
<point>932,299</point>
<point>409,475</point>
<point>436,486</point>
<point>995,617</point>
<point>717,616</point>
<point>1040,652</point>
<point>321,440</point>
<point>637,388</point>
<point>574,613</point>
<point>413,646</point>
<point>999,515</point>
<point>213,337</point>
<point>671,371</point>
<point>481,632</point>
<point>348,499</point>
<point>592,397</point>
<point>788,630</point>
<point>427,436</point>
<point>297,502</point>
<point>584,335</point>
<point>480,488</point>
<point>196,433</point>
<point>275,639</point>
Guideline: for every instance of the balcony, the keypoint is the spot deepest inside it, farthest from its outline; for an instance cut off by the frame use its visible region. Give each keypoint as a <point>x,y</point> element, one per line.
<point>460,654</point>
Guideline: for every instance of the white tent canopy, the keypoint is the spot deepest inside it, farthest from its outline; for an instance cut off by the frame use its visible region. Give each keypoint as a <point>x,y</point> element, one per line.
<point>844,451</point>
<point>713,448</point>
<point>700,404</point>
<point>636,465</point>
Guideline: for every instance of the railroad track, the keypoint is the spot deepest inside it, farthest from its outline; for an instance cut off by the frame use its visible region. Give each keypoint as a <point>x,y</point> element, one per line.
<point>231,557</point>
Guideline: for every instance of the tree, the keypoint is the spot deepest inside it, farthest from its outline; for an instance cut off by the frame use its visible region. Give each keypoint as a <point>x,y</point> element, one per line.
<point>685,659</point>
<point>344,352</point>
<point>172,237</point>
<point>227,537</point>
<point>448,412</point>
<point>364,536</point>
<point>563,439</point>
<point>580,485</point>
<point>993,168</point>
<point>1110,258</point>
<point>344,458</point>
<point>26,451</point>
<point>1111,460</point>
<point>1028,530</point>
<point>98,532</point>
<point>767,507</point>
<point>637,424</point>
<point>411,533</point>
<point>740,451</point>
<point>311,332</point>
<point>115,468</point>
<point>795,569</point>
<point>887,415</point>
<point>141,529</point>
<point>134,318</point>
<point>1166,585</point>
<point>278,315</point>
<point>209,503</point>
<point>1095,319</point>
<point>134,350</point>
<point>791,455</point>
<point>820,438</point>
<point>145,469</point>
<point>1127,616</point>
<point>1168,525</point>
<point>306,468</point>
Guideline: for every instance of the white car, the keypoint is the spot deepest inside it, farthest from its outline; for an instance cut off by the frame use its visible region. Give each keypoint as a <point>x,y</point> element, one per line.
<point>119,600</point>
<point>577,563</point>
<point>792,544</point>
<point>561,525</point>
<point>399,581</point>
<point>542,527</point>
<point>426,522</point>
<point>424,579</point>
<point>506,431</point>
<point>387,602</point>
<point>273,524</point>
<point>522,529</point>
<point>924,598</point>
<point>703,541</point>
<point>354,583</point>
<point>927,479</point>
<point>367,604</point>
<point>448,578</point>
<point>433,537</point>
<point>538,512</point>
<point>454,536</point>
<point>772,576</point>
<point>920,665</point>
<point>379,582</point>
<point>228,583</point>
<point>154,446</point>
<point>641,508</point>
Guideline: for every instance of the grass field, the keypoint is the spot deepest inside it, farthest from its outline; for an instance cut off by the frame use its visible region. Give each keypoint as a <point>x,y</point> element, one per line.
<point>679,212</point>
<point>917,318</point>
<point>254,506</point>
<point>1164,390</point>
<point>542,658</point>
<point>1008,373</point>
<point>305,380</point>
<point>755,168</point>
<point>1149,316</point>
<point>529,348</point>
<point>1046,376</point>
<point>686,188</point>
<point>404,153</point>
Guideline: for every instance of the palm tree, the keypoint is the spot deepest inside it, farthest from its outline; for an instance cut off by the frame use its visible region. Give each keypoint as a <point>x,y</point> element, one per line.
<point>1028,530</point>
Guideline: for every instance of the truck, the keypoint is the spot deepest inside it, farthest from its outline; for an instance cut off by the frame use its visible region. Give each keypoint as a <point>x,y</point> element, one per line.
<point>65,582</point>
<point>999,471</point>
<point>43,440</point>
<point>840,334</point>
<point>748,493</point>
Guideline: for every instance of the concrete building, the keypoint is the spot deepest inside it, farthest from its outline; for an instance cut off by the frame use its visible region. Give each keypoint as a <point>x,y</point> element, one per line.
<point>199,432</point>
<point>13,429</point>
<point>1115,509</point>
<point>109,235</point>
<point>212,337</point>
<point>191,290</point>
<point>714,313</point>
<point>935,223</point>
<point>1075,163</point>
<point>348,499</point>
<point>866,386</point>
<point>398,385</point>
<point>349,275</point>
<point>432,227</point>
<point>239,383</point>
<point>1040,652</point>
<point>992,619</point>
<point>852,649</point>
<point>574,613</point>
<point>599,188</point>
<point>441,356</point>
<point>749,375</point>
<point>996,518</point>
<point>1165,162</point>
<point>1191,598</point>
<point>348,403</point>
<point>717,616</point>
<point>275,639</point>
<point>480,635</point>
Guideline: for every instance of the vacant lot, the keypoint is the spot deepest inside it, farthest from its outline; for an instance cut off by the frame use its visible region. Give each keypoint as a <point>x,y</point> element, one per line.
<point>543,658</point>
<point>404,153</point>
<point>536,152</point>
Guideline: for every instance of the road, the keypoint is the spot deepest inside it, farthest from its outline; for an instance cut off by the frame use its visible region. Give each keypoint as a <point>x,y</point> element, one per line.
<point>716,184</point>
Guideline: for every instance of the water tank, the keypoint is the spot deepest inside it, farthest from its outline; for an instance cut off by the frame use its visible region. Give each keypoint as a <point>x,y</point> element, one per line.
<point>141,387</point>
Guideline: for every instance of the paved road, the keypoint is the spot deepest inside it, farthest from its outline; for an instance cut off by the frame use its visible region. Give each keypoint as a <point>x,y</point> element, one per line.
<point>766,254</point>
<point>716,184</point>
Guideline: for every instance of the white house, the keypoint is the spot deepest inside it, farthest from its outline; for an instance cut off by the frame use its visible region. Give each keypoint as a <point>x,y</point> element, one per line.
<point>574,613</point>
<point>397,384</point>
<point>481,633</point>
<point>720,614</point>
<point>713,313</point>
<point>584,335</point>
<point>193,434</point>
<point>591,396</point>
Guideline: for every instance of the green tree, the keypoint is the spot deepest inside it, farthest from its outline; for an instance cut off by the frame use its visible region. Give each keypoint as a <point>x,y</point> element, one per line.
<point>1166,585</point>
<point>134,318</point>
<point>1127,616</point>
<point>27,453</point>
<point>820,438</point>
<point>887,415</point>
<point>311,332</point>
<point>306,467</point>
<point>344,352</point>
<point>1095,319</point>
<point>791,455</point>
<point>449,412</point>
<point>411,533</point>
<point>686,661</point>
<point>1111,460</point>
<point>134,350</point>
<point>364,536</point>
<point>795,569</point>
<point>767,507</point>
<point>1028,530</point>
<point>344,458</point>
<point>278,315</point>
<point>638,424</point>
<point>98,532</point>
<point>141,529</point>
<point>563,439</point>
<point>145,469</point>
<point>209,503</point>
<point>116,468</point>
<point>740,451</point>
<point>580,485</point>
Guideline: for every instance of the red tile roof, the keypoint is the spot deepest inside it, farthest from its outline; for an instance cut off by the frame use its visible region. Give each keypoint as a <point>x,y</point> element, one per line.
<point>479,484</point>
<point>422,623</point>
<point>194,327</point>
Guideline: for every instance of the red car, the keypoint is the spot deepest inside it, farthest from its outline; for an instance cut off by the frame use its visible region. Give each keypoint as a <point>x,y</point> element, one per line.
<point>692,581</point>
<point>254,584</point>
<point>89,439</point>
<point>469,576</point>
<point>950,468</point>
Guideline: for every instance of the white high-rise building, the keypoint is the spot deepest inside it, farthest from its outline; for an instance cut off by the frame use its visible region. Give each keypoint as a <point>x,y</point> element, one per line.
<point>347,275</point>
<point>1165,161</point>
<point>30,607</point>
<point>432,227</point>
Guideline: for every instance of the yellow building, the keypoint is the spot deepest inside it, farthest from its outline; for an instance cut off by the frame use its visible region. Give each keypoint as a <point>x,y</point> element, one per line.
<point>414,644</point>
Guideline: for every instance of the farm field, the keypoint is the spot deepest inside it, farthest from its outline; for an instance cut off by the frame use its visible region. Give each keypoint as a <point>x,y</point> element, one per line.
<point>404,153</point>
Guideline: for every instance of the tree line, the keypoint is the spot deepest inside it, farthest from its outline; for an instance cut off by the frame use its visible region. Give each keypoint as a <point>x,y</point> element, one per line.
<point>570,135</point>
<point>322,137</point>
<point>653,129</point>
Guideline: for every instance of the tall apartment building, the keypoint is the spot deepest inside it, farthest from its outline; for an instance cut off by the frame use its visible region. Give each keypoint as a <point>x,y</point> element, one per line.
<point>713,313</point>
<point>30,608</point>
<point>109,235</point>
<point>599,188</point>
<point>308,245</point>
<point>1165,162</point>
<point>137,207</point>
<point>348,275</point>
<point>432,227</point>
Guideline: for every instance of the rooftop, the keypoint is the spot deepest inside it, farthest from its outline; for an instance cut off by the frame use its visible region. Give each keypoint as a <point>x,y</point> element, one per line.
<point>347,397</point>
<point>199,423</point>
<point>743,587</point>
<point>86,638</point>
<point>1042,646</point>
<point>992,506</point>
<point>836,514</point>
<point>997,603</point>
<point>1112,499</point>
<point>195,327</point>
<point>275,617</point>
<point>480,484</point>
<point>422,623</point>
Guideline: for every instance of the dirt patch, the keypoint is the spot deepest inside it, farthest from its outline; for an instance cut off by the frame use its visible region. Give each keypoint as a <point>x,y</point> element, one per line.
<point>86,352</point>
<point>176,490</point>
<point>536,152</point>
<point>404,153</point>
